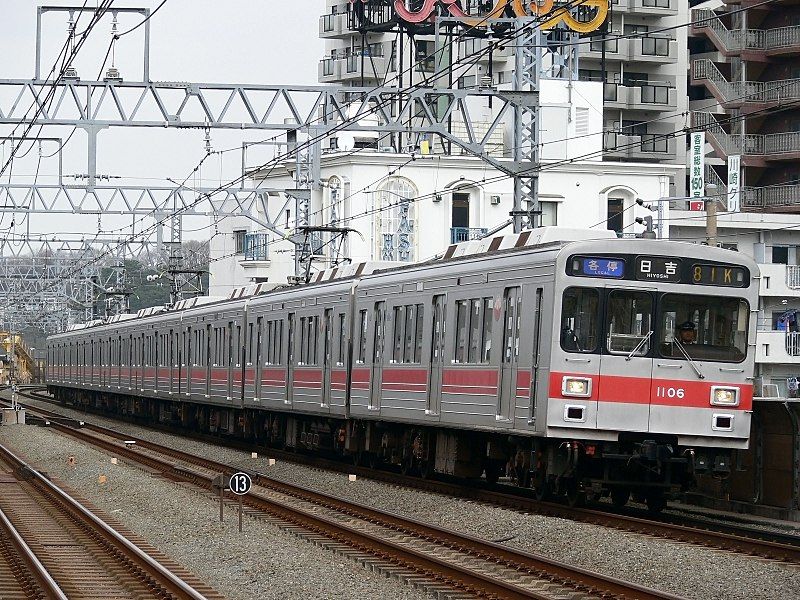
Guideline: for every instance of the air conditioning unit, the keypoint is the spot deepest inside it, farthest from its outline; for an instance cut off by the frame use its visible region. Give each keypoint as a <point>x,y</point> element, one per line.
<point>494,200</point>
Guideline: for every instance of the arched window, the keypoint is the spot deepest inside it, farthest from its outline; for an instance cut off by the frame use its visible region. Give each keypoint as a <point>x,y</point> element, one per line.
<point>395,221</point>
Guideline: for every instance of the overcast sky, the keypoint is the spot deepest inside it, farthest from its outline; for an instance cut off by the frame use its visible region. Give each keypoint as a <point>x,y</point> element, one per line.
<point>230,41</point>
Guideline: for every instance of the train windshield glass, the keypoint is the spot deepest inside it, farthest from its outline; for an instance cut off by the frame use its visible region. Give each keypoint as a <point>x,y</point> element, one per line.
<point>579,320</point>
<point>706,327</point>
<point>629,322</point>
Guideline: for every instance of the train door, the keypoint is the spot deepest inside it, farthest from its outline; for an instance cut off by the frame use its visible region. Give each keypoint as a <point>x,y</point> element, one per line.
<point>623,394</point>
<point>258,360</point>
<point>376,375</point>
<point>326,358</point>
<point>509,358</point>
<point>188,361</point>
<point>290,361</point>
<point>177,358</point>
<point>437,355</point>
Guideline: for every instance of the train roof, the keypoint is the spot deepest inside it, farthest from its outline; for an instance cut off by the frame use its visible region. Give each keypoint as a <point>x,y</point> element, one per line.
<point>542,240</point>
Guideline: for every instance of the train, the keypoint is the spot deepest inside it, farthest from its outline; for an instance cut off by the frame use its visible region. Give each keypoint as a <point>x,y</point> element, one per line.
<point>572,361</point>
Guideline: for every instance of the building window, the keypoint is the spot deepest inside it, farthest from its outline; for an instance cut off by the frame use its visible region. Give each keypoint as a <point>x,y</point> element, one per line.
<point>549,213</point>
<point>396,220</point>
<point>239,236</point>
<point>780,255</point>
<point>616,208</point>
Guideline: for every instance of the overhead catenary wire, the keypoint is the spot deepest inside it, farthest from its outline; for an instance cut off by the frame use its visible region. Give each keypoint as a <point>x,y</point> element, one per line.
<point>357,117</point>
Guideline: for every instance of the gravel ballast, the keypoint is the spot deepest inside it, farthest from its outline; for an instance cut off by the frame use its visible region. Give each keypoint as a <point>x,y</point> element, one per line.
<point>261,562</point>
<point>678,568</point>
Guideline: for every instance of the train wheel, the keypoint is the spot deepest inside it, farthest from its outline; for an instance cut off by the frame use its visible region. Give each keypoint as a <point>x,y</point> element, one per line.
<point>619,496</point>
<point>406,465</point>
<point>656,502</point>
<point>492,471</point>
<point>522,477</point>
<point>575,495</point>
<point>542,489</point>
<point>426,469</point>
<point>372,460</point>
<point>358,458</point>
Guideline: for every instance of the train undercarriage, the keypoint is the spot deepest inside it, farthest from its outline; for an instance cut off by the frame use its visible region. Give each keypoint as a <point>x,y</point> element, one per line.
<point>644,467</point>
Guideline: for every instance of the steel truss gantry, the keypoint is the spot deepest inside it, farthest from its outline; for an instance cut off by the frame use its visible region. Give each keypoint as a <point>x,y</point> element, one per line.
<point>316,112</point>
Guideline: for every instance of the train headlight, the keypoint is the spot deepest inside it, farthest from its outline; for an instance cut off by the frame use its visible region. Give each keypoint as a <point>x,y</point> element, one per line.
<point>724,396</point>
<point>577,387</point>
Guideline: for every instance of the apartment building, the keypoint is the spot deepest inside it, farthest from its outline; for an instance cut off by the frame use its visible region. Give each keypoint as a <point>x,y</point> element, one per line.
<point>744,92</point>
<point>643,74</point>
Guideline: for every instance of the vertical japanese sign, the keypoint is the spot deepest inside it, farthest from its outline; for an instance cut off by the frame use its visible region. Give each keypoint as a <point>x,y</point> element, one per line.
<point>698,165</point>
<point>734,182</point>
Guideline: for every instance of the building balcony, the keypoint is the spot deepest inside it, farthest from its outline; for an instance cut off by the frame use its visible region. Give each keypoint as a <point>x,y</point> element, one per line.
<point>330,70</point>
<point>663,8</point>
<point>651,147</point>
<point>771,196</point>
<point>781,281</point>
<point>652,49</point>
<point>756,150</point>
<point>375,67</point>
<point>465,234</point>
<point>777,347</point>
<point>256,248</point>
<point>749,94</point>
<point>641,96</point>
<point>334,25</point>
<point>757,44</point>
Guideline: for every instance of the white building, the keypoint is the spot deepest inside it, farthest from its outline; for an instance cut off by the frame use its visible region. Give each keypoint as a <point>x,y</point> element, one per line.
<point>408,207</point>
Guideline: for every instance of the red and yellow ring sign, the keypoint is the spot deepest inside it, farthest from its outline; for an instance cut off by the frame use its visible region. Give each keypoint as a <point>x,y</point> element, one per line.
<point>590,17</point>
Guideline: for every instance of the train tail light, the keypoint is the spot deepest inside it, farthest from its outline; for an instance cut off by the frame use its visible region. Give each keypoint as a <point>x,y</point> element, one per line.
<point>577,387</point>
<point>724,396</point>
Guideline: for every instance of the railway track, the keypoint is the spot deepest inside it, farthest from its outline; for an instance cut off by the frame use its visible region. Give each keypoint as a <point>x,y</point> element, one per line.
<point>53,546</point>
<point>436,557</point>
<point>729,536</point>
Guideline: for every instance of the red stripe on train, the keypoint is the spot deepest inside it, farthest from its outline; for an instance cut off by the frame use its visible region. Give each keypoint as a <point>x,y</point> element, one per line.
<point>643,390</point>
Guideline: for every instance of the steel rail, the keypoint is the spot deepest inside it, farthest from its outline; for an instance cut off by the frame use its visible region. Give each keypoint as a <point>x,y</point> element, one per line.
<point>730,537</point>
<point>36,569</point>
<point>526,563</point>
<point>160,574</point>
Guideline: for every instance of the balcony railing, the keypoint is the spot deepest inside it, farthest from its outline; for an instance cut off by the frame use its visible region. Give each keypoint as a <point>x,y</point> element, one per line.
<point>776,195</point>
<point>328,22</point>
<point>746,91</point>
<point>465,234</point>
<point>748,39</point>
<point>793,277</point>
<point>327,66</point>
<point>793,343</point>
<point>750,144</point>
<point>256,246</point>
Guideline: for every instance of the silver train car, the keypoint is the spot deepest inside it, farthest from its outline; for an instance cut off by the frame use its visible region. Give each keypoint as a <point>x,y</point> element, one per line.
<point>580,368</point>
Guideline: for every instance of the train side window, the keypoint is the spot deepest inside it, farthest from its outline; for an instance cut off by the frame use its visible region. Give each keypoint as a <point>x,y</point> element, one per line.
<point>363,323</point>
<point>486,348</point>
<point>475,327</point>
<point>579,319</point>
<point>399,322</point>
<point>418,333</point>
<point>410,335</point>
<point>629,322</point>
<point>462,321</point>
<point>341,353</point>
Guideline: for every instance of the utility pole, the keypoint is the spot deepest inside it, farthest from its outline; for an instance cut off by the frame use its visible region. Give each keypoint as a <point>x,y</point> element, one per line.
<point>711,214</point>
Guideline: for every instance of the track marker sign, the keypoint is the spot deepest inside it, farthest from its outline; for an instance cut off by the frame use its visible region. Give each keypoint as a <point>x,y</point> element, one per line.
<point>240,483</point>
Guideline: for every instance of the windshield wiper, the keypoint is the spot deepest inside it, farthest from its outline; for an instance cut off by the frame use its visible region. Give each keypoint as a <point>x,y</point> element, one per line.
<point>641,343</point>
<point>689,358</point>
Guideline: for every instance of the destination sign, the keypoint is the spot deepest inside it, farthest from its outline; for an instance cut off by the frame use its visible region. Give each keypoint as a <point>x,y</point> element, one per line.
<point>599,267</point>
<point>722,275</point>
<point>657,268</point>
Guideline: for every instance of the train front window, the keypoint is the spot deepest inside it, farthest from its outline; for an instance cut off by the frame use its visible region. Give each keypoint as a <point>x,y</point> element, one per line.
<point>629,322</point>
<point>579,319</point>
<point>706,327</point>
